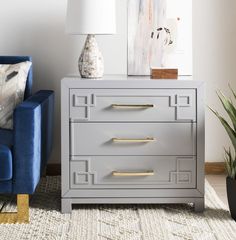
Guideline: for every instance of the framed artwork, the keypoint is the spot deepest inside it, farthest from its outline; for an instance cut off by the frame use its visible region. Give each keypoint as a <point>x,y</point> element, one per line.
<point>159,35</point>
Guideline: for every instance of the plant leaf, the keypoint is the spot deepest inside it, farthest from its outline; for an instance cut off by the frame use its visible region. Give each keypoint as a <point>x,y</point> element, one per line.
<point>234,93</point>
<point>229,130</point>
<point>229,108</point>
<point>227,168</point>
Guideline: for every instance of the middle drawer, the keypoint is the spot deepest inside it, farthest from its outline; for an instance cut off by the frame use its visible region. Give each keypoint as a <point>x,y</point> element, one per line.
<point>133,139</point>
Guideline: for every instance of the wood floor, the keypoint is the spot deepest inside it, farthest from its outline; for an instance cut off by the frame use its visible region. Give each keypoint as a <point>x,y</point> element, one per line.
<point>219,184</point>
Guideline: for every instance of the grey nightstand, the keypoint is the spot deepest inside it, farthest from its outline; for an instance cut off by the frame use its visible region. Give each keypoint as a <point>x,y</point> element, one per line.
<point>132,140</point>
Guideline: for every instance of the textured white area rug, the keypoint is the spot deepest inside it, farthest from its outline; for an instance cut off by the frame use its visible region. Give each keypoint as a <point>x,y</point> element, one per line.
<point>119,222</point>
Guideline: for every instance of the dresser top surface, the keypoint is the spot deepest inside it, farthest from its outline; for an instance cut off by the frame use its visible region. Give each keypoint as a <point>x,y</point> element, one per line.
<point>123,77</point>
<point>124,81</point>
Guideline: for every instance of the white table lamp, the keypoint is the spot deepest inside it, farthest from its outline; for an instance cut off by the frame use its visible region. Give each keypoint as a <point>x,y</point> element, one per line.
<point>91,17</point>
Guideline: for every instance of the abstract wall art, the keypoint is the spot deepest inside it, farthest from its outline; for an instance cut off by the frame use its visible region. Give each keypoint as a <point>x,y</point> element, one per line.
<point>159,35</point>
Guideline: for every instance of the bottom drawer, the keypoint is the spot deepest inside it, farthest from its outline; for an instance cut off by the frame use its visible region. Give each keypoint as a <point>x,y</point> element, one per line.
<point>133,172</point>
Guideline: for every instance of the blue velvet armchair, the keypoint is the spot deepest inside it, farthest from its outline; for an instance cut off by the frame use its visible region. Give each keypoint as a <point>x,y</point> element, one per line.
<point>25,150</point>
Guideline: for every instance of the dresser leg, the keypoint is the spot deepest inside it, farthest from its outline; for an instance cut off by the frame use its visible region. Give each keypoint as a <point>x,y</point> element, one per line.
<point>199,205</point>
<point>66,206</point>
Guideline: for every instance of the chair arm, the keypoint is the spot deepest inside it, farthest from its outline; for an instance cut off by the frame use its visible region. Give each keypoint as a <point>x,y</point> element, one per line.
<point>32,144</point>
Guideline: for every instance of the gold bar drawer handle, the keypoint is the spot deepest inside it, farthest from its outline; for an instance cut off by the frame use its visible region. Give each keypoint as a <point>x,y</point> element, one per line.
<point>134,140</point>
<point>134,106</point>
<point>132,174</point>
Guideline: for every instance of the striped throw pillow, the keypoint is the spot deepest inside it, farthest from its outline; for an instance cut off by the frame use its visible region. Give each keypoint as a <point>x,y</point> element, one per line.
<point>12,88</point>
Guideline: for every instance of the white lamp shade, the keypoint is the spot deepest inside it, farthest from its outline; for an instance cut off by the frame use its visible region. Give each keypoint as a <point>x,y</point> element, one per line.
<point>91,17</point>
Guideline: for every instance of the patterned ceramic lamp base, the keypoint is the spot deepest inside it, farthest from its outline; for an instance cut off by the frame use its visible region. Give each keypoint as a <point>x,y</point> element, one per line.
<point>91,64</point>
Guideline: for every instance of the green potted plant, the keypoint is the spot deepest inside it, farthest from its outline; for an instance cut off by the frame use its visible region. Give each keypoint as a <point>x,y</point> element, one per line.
<point>230,155</point>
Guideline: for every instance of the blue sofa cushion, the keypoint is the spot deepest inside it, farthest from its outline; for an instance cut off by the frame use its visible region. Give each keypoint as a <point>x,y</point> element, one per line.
<point>6,137</point>
<point>5,163</point>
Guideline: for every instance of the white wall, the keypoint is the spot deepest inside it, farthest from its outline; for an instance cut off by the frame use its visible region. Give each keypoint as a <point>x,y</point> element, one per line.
<point>214,34</point>
<point>36,28</point>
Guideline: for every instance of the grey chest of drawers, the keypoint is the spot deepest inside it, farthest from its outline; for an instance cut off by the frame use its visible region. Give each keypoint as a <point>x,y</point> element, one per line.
<point>132,140</point>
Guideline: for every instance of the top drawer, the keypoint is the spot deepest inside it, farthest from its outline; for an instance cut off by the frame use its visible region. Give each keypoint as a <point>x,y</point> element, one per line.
<point>133,105</point>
